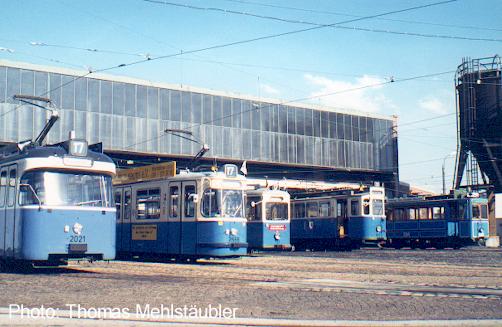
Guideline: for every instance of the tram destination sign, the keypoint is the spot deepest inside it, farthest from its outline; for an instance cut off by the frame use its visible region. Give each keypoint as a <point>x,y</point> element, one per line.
<point>145,173</point>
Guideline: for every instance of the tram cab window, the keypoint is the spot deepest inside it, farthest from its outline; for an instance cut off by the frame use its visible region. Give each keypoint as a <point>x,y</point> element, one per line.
<point>438,213</point>
<point>480,211</point>
<point>12,188</point>
<point>299,210</point>
<point>312,209</point>
<point>476,213</point>
<point>222,203</point>
<point>148,204</point>
<point>189,201</point>
<point>484,211</point>
<point>354,207</point>
<point>3,186</point>
<point>127,204</point>
<point>366,207</point>
<point>275,211</point>
<point>210,203</point>
<point>174,201</point>
<point>118,203</point>
<point>324,209</point>
<point>378,207</point>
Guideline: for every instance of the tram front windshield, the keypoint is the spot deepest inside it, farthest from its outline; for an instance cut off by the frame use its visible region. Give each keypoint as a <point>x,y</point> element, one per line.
<point>222,203</point>
<point>276,211</point>
<point>65,189</point>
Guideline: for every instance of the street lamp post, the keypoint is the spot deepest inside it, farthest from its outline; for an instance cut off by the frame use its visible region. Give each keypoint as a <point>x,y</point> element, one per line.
<point>443,170</point>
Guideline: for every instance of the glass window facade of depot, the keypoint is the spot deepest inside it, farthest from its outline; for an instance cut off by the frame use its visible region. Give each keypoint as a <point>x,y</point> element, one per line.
<point>132,117</point>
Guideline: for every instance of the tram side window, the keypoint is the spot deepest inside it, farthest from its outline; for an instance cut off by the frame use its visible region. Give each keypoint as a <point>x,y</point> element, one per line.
<point>312,209</point>
<point>127,204</point>
<point>438,213</point>
<point>189,201</point>
<point>401,214</point>
<point>398,214</point>
<point>173,204</point>
<point>148,204</point>
<point>324,209</point>
<point>412,214</point>
<point>12,188</point>
<point>299,210</point>
<point>460,212</point>
<point>3,186</point>
<point>424,213</point>
<point>118,203</point>
<point>366,207</point>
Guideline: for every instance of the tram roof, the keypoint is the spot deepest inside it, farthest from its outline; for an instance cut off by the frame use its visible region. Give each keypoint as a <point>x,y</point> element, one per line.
<point>56,150</point>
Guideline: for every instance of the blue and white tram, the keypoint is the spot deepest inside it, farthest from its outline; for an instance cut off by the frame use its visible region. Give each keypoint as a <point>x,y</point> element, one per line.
<point>190,215</point>
<point>315,223</point>
<point>268,214</point>
<point>56,204</point>
<point>339,220</point>
<point>366,222</point>
<point>438,222</point>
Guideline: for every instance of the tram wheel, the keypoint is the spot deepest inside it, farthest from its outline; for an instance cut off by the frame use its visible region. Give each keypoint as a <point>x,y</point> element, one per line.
<point>440,245</point>
<point>396,244</point>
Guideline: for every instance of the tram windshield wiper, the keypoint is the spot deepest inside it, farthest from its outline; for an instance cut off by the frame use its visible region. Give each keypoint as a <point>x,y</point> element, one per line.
<point>32,190</point>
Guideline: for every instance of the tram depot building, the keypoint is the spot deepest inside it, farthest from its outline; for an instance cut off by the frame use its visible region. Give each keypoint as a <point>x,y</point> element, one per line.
<point>130,117</point>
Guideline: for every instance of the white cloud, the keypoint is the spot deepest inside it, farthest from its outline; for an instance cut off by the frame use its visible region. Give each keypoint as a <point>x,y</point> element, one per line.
<point>269,89</point>
<point>363,99</point>
<point>433,105</point>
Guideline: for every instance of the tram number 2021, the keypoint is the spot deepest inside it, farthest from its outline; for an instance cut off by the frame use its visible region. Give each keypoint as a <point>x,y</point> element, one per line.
<point>77,239</point>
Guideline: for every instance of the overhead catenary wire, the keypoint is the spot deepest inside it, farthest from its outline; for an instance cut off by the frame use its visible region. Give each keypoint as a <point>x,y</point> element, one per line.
<point>255,39</point>
<point>272,36</point>
<point>316,11</point>
<point>337,26</point>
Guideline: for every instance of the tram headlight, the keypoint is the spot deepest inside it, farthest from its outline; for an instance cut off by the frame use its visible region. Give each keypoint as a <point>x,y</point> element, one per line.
<point>77,228</point>
<point>277,236</point>
<point>481,231</point>
<point>379,229</point>
<point>66,229</point>
<point>234,232</point>
<point>227,231</point>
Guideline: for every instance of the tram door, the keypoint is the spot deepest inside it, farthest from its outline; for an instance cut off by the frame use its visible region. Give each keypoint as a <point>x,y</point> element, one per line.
<point>182,237</point>
<point>343,219</point>
<point>10,211</point>
<point>189,226</point>
<point>123,206</point>
<point>175,229</point>
<point>3,206</point>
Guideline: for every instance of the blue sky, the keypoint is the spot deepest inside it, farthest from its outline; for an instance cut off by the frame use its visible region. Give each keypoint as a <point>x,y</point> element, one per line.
<point>289,67</point>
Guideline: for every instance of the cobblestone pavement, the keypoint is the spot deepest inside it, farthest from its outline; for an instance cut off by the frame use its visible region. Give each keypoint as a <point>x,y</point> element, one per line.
<point>368,284</point>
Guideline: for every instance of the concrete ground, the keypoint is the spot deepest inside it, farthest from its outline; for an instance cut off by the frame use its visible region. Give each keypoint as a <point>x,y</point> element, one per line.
<point>364,285</point>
